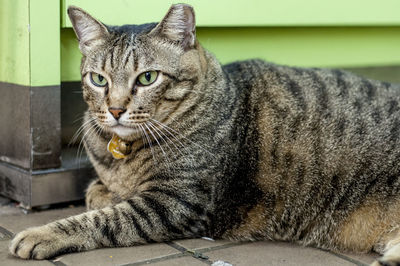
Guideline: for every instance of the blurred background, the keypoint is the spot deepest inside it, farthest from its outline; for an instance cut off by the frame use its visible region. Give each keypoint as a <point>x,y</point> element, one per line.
<point>41,102</point>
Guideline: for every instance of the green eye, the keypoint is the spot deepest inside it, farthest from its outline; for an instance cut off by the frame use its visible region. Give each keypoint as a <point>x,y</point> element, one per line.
<point>98,80</point>
<point>147,78</point>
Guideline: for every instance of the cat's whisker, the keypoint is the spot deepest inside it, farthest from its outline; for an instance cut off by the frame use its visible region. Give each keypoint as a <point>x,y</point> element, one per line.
<point>88,132</point>
<point>164,127</point>
<point>148,141</point>
<point>81,144</point>
<point>158,143</point>
<point>96,129</point>
<point>141,133</point>
<point>188,157</point>
<point>80,130</point>
<point>78,119</point>
<point>85,127</point>
<point>76,135</point>
<point>100,129</point>
<point>198,145</point>
<point>176,132</point>
<point>171,134</point>
<point>170,140</point>
<point>163,139</point>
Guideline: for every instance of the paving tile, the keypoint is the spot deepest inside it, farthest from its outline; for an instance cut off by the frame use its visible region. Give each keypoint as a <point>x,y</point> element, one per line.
<point>4,201</point>
<point>183,261</point>
<point>18,222</point>
<point>118,256</point>
<point>9,210</point>
<point>8,260</point>
<point>4,234</point>
<point>198,243</point>
<point>274,253</point>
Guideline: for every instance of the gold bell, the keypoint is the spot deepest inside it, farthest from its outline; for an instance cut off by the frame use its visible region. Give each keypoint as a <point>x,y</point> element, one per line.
<point>119,148</point>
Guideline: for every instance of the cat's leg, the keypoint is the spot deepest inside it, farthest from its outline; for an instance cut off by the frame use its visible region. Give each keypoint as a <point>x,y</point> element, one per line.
<point>373,227</point>
<point>390,251</point>
<point>390,258</point>
<point>152,217</point>
<point>98,196</point>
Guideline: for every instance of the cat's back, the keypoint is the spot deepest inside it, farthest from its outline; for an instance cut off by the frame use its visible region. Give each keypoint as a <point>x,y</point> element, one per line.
<point>327,96</point>
<point>263,75</point>
<point>324,110</point>
<point>327,140</point>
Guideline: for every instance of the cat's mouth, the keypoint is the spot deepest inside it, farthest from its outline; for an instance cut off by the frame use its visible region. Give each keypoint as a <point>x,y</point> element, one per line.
<point>125,132</point>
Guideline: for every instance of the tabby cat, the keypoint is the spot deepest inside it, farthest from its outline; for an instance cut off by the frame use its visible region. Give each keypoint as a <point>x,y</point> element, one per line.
<point>184,147</point>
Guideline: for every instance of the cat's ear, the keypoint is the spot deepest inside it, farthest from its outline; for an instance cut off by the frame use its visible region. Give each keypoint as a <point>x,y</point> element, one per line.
<point>178,25</point>
<point>89,31</point>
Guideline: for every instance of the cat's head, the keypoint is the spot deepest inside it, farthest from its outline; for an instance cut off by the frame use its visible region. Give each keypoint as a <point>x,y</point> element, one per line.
<point>136,73</point>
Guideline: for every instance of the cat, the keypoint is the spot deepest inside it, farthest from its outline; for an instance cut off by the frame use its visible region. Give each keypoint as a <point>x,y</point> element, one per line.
<point>184,147</point>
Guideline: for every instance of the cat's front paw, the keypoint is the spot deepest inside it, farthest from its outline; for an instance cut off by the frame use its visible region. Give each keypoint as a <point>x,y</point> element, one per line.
<point>386,262</point>
<point>37,243</point>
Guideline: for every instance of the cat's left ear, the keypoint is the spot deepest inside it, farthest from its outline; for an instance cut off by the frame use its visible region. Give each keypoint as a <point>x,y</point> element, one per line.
<point>178,25</point>
<point>90,31</point>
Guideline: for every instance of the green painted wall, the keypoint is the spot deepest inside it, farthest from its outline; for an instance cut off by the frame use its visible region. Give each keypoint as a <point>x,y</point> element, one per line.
<point>14,41</point>
<point>306,46</point>
<point>340,33</point>
<point>249,12</point>
<point>38,47</point>
<point>44,42</point>
<point>30,42</point>
<point>301,46</point>
<point>70,56</point>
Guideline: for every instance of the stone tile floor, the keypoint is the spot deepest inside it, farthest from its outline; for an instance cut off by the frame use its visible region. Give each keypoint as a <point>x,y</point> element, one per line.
<point>181,252</point>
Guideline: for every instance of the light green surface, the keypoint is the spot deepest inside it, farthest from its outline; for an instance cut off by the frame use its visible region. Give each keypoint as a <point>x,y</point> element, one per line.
<point>33,49</point>
<point>45,42</point>
<point>14,41</point>
<point>217,13</point>
<point>30,42</point>
<point>307,46</point>
<point>304,46</point>
<point>70,56</point>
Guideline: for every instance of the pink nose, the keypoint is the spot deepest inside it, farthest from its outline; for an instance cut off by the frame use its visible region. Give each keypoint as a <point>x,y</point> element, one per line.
<point>116,112</point>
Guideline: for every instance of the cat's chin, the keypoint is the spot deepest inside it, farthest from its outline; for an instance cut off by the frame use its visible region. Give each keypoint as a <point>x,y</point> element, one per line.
<point>126,133</point>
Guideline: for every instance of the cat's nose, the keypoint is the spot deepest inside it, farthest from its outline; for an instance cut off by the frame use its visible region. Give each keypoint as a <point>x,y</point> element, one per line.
<point>116,112</point>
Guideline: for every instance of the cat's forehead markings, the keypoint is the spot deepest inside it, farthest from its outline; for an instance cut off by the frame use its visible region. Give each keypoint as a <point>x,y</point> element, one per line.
<point>121,51</point>
<point>133,36</point>
<point>103,62</point>
<point>127,56</point>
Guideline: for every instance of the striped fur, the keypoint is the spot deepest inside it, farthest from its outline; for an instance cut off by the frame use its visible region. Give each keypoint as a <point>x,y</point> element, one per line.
<point>250,150</point>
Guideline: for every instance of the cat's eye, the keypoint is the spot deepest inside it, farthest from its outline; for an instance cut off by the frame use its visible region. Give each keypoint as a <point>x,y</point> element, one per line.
<point>98,80</point>
<point>147,78</point>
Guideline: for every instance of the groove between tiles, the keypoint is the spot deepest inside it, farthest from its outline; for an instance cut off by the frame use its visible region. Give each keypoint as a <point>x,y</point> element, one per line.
<point>176,246</point>
<point>344,257</point>
<point>228,245</point>
<point>194,254</point>
<point>184,253</point>
<point>149,261</point>
<point>6,233</point>
<point>57,263</point>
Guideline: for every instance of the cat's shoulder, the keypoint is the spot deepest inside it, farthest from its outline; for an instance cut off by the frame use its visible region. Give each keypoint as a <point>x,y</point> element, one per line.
<point>249,64</point>
<point>259,67</point>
